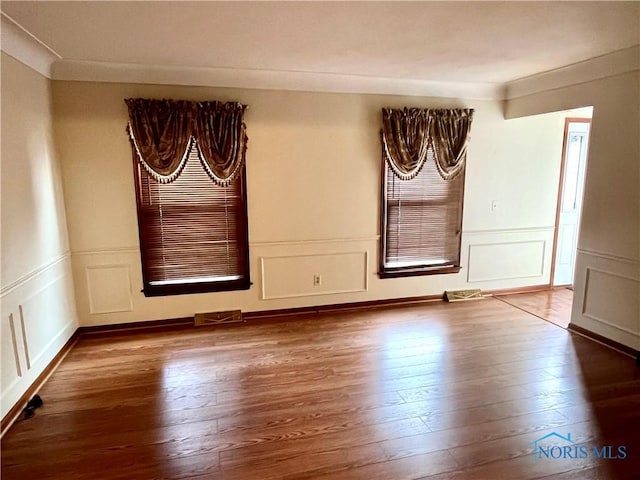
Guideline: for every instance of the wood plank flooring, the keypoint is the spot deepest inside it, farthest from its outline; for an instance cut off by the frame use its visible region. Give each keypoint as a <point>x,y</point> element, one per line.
<point>441,391</point>
<point>551,305</point>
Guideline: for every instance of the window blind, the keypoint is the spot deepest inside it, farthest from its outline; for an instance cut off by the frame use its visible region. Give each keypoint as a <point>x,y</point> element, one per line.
<point>193,232</point>
<point>422,219</point>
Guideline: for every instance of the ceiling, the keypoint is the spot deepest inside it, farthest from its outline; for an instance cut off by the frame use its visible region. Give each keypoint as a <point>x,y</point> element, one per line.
<point>493,42</point>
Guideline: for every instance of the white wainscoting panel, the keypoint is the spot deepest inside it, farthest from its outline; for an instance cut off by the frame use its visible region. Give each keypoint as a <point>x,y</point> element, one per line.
<point>10,357</point>
<point>293,275</point>
<point>109,288</point>
<point>282,275</point>
<point>506,260</point>
<point>47,302</point>
<point>607,296</point>
<point>38,317</point>
<point>612,299</point>
<point>327,257</point>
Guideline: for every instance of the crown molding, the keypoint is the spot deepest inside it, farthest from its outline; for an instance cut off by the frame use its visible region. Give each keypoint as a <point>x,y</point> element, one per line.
<point>269,80</point>
<point>18,43</point>
<point>28,49</point>
<point>615,63</point>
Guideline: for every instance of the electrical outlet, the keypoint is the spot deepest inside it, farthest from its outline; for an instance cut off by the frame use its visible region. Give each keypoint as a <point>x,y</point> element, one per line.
<point>317,279</point>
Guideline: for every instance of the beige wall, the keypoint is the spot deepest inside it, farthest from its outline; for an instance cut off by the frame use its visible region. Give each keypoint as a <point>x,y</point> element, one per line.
<point>38,305</point>
<point>313,169</point>
<point>607,279</point>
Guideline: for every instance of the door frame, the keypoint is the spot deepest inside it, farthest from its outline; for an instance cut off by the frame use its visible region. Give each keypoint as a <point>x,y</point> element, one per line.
<point>554,252</point>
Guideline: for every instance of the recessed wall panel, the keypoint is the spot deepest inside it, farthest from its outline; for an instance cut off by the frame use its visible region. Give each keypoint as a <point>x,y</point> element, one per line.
<point>308,275</point>
<point>109,289</point>
<point>612,299</point>
<point>506,260</point>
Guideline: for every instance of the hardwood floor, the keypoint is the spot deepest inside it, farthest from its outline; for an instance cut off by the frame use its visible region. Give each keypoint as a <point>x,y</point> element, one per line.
<point>441,391</point>
<point>551,305</point>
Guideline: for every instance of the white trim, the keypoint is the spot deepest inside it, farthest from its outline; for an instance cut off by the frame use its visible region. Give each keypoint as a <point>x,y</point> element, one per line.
<point>106,251</point>
<point>509,230</point>
<point>33,273</point>
<point>25,47</point>
<point>328,292</point>
<point>608,256</point>
<point>22,45</point>
<point>266,243</point>
<point>23,330</point>
<point>609,324</point>
<point>615,63</point>
<point>498,279</point>
<point>284,243</point>
<point>366,270</point>
<point>606,272</point>
<point>330,254</point>
<point>262,289</point>
<point>269,80</point>
<point>609,65</point>
<point>39,291</point>
<point>14,343</point>
<point>595,318</point>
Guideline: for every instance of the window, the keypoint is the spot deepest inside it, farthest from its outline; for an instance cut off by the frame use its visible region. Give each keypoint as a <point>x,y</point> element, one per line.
<point>421,221</point>
<point>193,232</point>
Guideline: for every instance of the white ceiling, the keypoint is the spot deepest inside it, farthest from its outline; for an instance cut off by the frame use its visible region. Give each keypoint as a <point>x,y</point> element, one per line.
<point>493,42</point>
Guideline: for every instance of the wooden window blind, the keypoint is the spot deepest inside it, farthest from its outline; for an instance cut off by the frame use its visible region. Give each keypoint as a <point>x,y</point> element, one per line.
<point>193,232</point>
<point>421,223</point>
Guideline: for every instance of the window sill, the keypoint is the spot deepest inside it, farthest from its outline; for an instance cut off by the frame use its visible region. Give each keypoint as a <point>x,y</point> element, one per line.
<point>417,271</point>
<point>193,288</point>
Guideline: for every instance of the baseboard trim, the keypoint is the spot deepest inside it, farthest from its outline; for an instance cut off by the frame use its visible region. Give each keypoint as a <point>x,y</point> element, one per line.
<point>13,414</point>
<point>604,340</point>
<point>118,328</point>
<point>93,331</point>
<point>341,307</point>
<point>516,290</point>
<point>188,322</point>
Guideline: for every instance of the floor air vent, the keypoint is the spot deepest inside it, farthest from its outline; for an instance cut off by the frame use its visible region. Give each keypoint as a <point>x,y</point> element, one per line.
<point>462,295</point>
<point>218,318</point>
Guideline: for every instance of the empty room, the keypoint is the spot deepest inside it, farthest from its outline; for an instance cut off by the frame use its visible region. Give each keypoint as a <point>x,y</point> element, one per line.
<point>320,240</point>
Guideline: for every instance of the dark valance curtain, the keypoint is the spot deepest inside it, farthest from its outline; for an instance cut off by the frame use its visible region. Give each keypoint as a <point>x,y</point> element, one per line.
<point>163,132</point>
<point>221,139</point>
<point>409,133</point>
<point>450,133</point>
<point>405,138</point>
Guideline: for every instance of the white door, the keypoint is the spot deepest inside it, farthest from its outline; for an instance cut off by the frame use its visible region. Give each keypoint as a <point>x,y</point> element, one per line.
<point>575,158</point>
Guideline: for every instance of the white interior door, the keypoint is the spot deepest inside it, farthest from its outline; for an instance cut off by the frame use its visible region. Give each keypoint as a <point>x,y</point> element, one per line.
<point>575,158</point>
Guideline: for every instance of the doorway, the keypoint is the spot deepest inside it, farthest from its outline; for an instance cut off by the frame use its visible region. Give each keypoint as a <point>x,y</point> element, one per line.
<point>571,189</point>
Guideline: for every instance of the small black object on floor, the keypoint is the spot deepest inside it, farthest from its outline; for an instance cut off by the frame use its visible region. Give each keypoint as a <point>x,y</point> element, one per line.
<point>30,409</point>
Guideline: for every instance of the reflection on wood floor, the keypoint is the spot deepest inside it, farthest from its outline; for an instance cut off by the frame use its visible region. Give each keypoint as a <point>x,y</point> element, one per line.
<point>440,391</point>
<point>551,305</point>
